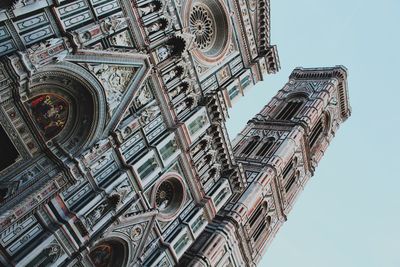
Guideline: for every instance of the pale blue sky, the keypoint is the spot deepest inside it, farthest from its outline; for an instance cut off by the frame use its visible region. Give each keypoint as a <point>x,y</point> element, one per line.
<point>349,213</point>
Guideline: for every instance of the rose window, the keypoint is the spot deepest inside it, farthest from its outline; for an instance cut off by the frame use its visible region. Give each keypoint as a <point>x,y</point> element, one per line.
<point>164,195</point>
<point>201,25</point>
<point>209,23</point>
<point>169,196</point>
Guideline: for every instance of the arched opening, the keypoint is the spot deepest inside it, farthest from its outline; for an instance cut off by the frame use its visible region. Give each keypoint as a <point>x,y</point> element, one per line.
<point>319,130</point>
<point>67,109</point>
<point>251,145</point>
<point>50,112</point>
<point>266,147</point>
<point>110,253</point>
<point>291,107</point>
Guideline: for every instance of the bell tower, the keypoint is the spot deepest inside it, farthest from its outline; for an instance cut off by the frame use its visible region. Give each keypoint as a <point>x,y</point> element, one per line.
<point>278,150</point>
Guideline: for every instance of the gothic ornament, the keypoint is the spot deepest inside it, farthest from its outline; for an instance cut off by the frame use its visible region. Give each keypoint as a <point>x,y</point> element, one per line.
<point>209,22</point>
<point>169,195</point>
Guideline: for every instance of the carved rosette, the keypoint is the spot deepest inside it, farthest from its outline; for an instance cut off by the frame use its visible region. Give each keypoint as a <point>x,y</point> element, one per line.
<point>208,21</point>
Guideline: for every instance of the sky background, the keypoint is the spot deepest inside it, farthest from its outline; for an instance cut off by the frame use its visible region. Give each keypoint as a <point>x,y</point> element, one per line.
<point>349,213</point>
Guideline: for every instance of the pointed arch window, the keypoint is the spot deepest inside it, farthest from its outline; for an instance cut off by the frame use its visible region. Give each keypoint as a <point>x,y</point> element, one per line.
<point>316,133</point>
<point>259,222</point>
<point>260,209</point>
<point>266,147</point>
<point>289,174</point>
<point>290,182</point>
<point>251,145</point>
<point>291,107</point>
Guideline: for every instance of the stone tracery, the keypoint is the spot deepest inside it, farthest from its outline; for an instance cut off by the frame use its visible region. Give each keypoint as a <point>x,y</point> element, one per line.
<point>209,23</point>
<point>202,26</point>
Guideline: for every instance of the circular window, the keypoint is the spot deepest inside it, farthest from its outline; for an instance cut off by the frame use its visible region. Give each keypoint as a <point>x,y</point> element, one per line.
<point>169,196</point>
<point>208,21</point>
<point>202,26</point>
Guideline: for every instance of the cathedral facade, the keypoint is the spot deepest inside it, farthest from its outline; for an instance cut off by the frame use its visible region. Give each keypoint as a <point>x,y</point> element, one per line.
<point>113,144</point>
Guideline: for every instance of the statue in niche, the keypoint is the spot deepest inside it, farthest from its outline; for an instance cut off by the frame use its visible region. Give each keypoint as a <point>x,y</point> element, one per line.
<point>172,74</point>
<point>207,159</point>
<point>159,25</point>
<point>112,24</point>
<point>121,39</point>
<point>48,256</point>
<point>123,190</point>
<point>188,103</point>
<point>181,88</point>
<point>149,8</point>
<point>143,97</point>
<point>201,146</point>
<point>174,47</point>
<point>163,52</point>
<point>110,204</point>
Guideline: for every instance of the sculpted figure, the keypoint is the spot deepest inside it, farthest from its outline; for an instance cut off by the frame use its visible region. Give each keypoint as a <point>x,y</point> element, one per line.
<point>181,88</point>
<point>159,25</point>
<point>152,7</point>
<point>172,74</point>
<point>163,52</point>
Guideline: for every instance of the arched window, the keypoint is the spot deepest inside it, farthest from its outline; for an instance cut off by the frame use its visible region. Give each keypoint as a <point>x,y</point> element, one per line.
<point>111,253</point>
<point>259,222</point>
<point>266,147</point>
<point>251,145</point>
<point>316,132</point>
<point>291,108</point>
<point>291,181</point>
<point>50,112</point>
<point>260,209</point>
<point>319,130</point>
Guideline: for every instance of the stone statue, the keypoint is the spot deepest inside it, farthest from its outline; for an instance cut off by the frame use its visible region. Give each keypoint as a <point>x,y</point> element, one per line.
<point>172,74</point>
<point>181,88</point>
<point>112,24</point>
<point>151,7</point>
<point>159,25</point>
<point>163,52</point>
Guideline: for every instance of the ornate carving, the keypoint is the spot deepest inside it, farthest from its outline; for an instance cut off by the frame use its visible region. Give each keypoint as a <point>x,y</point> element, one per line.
<point>159,25</point>
<point>202,26</point>
<point>55,49</point>
<point>97,213</point>
<point>113,24</point>
<point>115,80</point>
<point>149,114</point>
<point>137,232</point>
<point>173,74</point>
<point>143,97</point>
